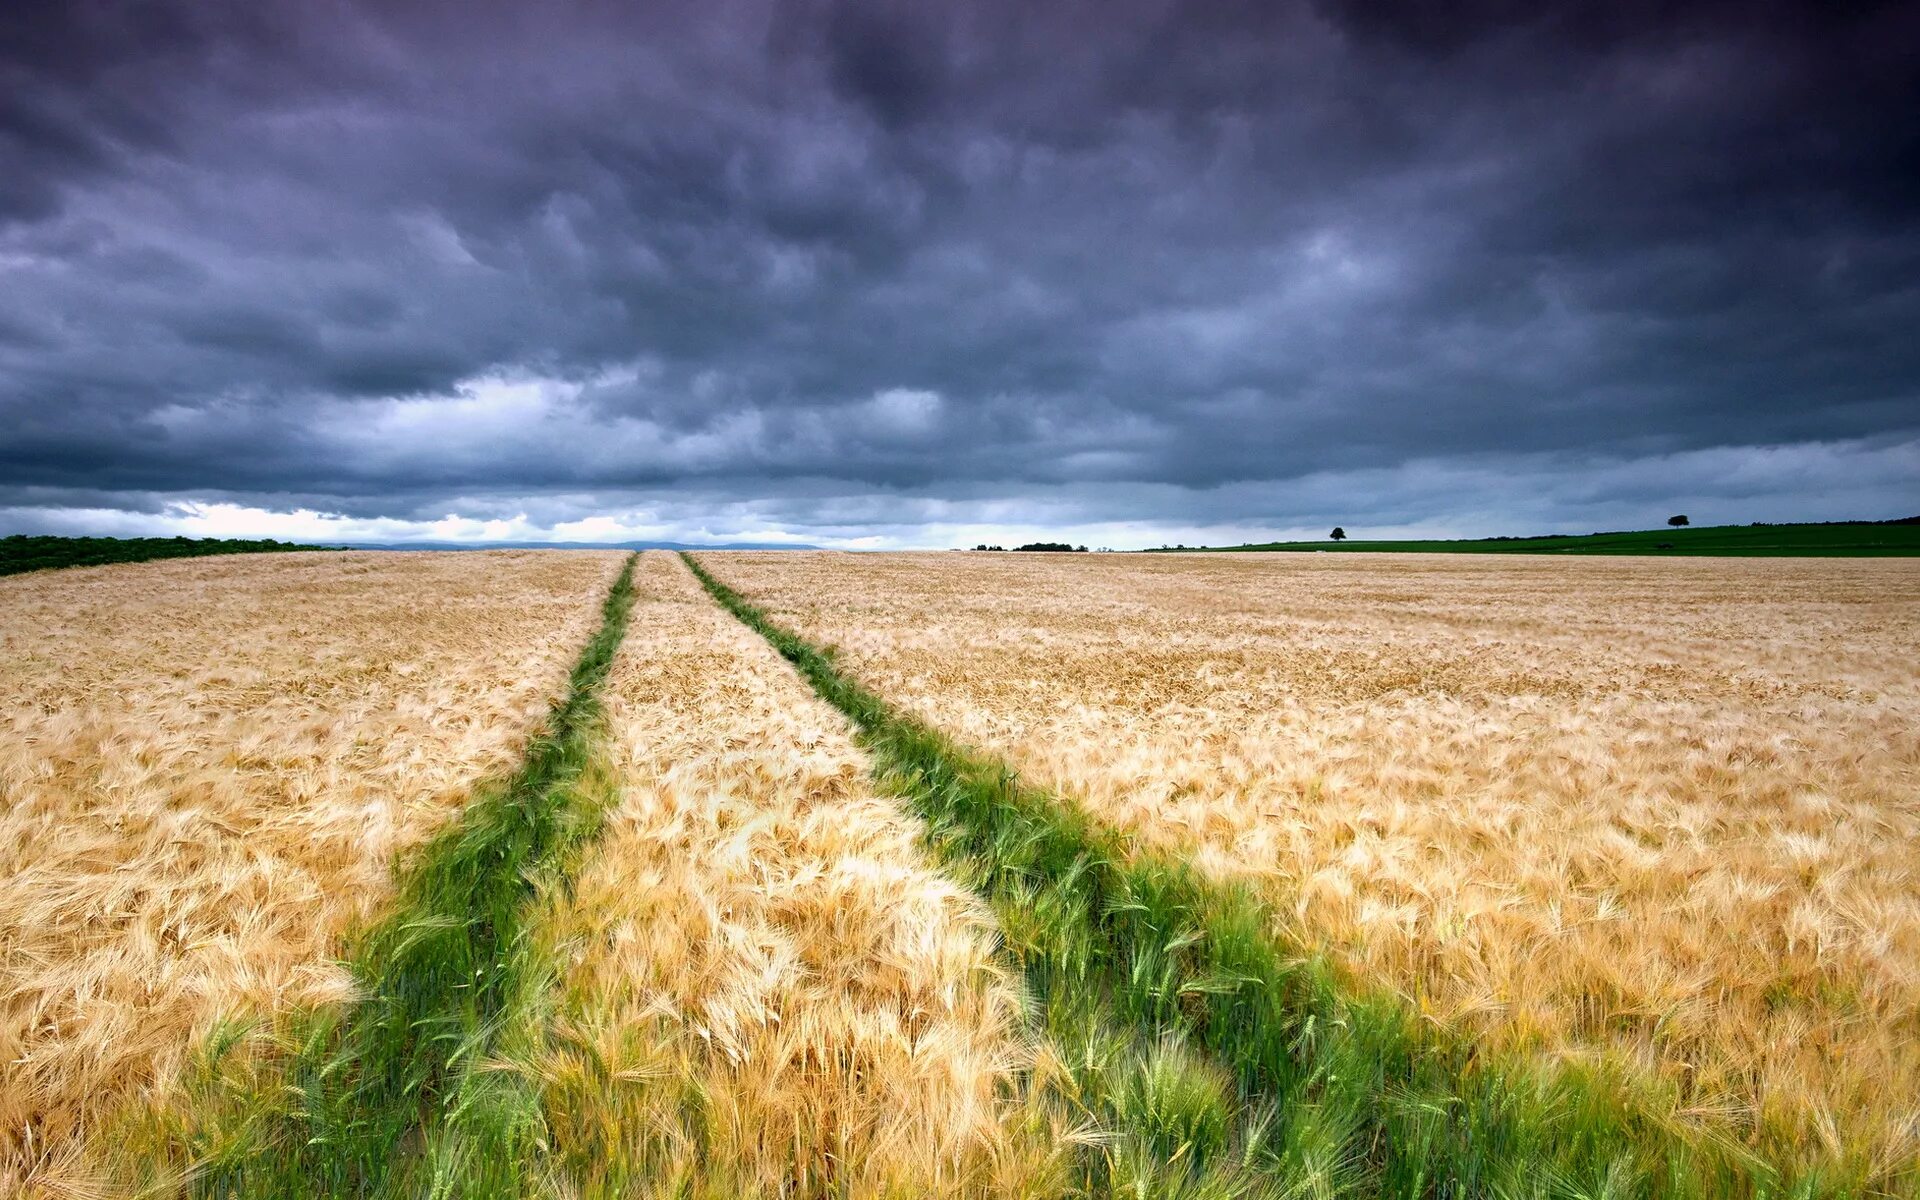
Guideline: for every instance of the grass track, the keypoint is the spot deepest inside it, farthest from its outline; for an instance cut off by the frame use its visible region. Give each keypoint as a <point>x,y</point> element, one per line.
<point>391,1098</point>
<point>1342,1093</point>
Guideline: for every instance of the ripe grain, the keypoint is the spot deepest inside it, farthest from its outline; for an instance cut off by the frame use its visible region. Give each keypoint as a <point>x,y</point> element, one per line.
<point>1666,812</point>
<point>207,770</point>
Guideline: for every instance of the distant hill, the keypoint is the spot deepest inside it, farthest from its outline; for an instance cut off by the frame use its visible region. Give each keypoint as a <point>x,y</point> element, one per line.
<point>1830,539</point>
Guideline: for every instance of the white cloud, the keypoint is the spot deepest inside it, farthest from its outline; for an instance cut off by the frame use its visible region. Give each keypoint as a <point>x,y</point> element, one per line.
<point>903,413</point>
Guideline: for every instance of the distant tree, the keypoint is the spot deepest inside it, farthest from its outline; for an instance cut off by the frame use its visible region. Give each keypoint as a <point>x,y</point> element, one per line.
<point>1677,521</point>
<point>1080,549</point>
<point>1338,534</point>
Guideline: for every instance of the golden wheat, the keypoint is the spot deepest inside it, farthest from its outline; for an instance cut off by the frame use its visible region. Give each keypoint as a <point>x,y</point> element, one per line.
<point>1666,812</point>
<point>765,989</point>
<point>207,769</point>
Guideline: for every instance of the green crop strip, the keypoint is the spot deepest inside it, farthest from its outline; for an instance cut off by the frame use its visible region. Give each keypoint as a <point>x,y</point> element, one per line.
<point>1339,1093</point>
<point>392,1097</point>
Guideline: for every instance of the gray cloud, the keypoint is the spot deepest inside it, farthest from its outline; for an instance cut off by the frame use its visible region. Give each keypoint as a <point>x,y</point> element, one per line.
<point>855,269</point>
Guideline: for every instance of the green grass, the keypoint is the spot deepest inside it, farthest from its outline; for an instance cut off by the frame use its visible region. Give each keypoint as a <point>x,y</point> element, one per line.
<point>1154,981</point>
<point>1847,539</point>
<point>392,1096</point>
<point>20,553</point>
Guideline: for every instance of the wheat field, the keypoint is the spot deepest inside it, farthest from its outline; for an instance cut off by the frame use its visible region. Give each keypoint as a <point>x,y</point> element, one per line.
<point>1662,814</point>
<point>764,990</point>
<point>1654,818</point>
<point>207,772</point>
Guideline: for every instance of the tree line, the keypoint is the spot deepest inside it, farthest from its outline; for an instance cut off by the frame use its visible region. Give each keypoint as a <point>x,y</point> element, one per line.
<point>1055,547</point>
<point>25,552</point>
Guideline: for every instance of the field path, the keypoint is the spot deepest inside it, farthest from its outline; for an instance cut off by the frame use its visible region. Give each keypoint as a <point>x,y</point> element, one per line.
<point>684,950</point>
<point>761,987</point>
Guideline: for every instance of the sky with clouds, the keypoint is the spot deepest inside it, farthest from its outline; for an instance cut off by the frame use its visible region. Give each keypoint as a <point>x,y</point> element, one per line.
<point>906,274</point>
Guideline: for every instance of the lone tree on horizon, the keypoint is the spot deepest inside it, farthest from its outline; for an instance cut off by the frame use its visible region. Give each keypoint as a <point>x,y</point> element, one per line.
<point>1338,534</point>
<point>1678,520</point>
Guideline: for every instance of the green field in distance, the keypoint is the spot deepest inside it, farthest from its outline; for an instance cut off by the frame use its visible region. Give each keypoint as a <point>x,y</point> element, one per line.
<point>1840,539</point>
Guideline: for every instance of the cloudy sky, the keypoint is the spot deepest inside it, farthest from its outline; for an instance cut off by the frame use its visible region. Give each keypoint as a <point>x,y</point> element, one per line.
<point>922,274</point>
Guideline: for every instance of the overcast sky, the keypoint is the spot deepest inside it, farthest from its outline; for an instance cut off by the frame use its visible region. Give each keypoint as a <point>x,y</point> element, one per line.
<point>924,274</point>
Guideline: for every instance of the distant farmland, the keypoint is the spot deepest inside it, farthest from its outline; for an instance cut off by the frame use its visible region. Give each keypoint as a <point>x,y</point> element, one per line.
<point>20,552</point>
<point>1845,539</point>
<point>803,876</point>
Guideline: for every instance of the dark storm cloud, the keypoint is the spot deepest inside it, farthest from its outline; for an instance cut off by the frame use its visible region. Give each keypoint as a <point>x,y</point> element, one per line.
<point>858,268</point>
